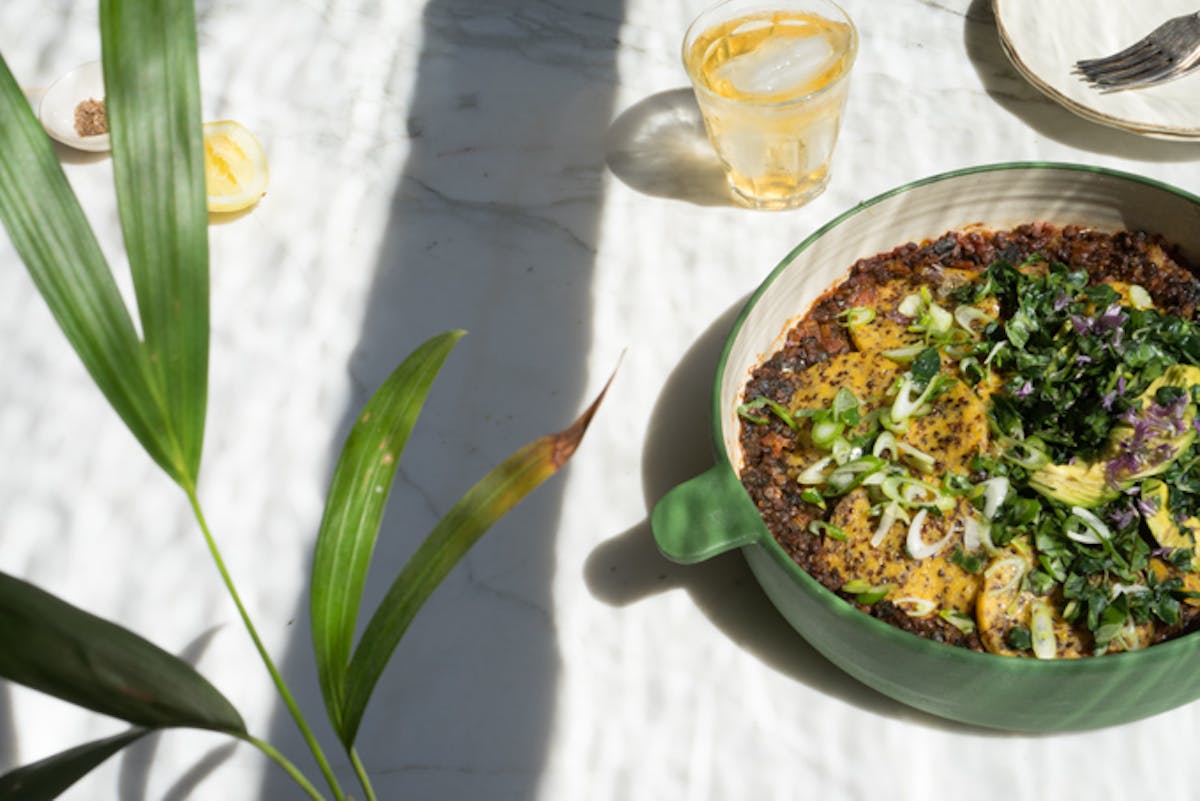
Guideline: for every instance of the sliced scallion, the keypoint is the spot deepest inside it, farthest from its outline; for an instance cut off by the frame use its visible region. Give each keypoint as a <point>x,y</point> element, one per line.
<point>813,496</point>
<point>903,354</point>
<point>851,474</point>
<point>875,595</point>
<point>1054,567</point>
<point>972,319</point>
<point>1128,637</point>
<point>936,320</point>
<point>824,432</point>
<point>1083,526</point>
<point>843,451</point>
<point>856,316</point>
<point>885,446</point>
<point>845,406</point>
<point>892,513</point>
<point>972,371</point>
<point>913,492</point>
<point>956,484</point>
<point>745,411</point>
<point>917,458</point>
<point>865,593</point>
<point>1013,563</point>
<point>823,528</point>
<point>875,479</point>
<point>1041,631</point>
<point>911,401</point>
<point>919,549</point>
<point>886,422</point>
<point>816,472</point>
<point>957,619</point>
<point>1140,297</point>
<point>995,490</point>
<point>914,606</point>
<point>911,305</point>
<point>973,535</point>
<point>1030,453</point>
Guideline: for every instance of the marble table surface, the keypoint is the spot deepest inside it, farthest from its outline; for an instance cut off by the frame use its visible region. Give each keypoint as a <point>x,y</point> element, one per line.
<point>532,171</point>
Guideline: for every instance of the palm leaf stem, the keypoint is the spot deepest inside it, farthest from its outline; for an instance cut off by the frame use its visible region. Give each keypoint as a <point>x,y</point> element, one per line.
<point>284,692</point>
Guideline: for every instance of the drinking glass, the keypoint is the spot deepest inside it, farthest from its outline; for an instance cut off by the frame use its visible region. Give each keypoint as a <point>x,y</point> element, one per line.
<point>770,77</point>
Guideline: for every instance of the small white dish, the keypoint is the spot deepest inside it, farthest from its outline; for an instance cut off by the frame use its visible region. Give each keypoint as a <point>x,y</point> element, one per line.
<point>1044,40</point>
<point>57,109</point>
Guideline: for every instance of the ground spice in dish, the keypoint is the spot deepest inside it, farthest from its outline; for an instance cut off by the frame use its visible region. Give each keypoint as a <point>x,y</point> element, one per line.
<point>90,118</point>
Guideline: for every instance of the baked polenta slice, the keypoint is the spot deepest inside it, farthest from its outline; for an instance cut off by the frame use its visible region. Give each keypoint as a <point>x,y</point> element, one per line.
<point>1004,604</point>
<point>934,579</point>
<point>953,432</point>
<point>889,328</point>
<point>868,376</point>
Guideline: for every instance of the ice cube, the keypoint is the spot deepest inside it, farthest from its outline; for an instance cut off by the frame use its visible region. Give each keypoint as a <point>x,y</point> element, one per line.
<point>779,64</point>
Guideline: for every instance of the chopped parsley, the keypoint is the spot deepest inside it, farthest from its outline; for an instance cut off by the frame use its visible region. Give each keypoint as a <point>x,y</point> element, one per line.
<point>1074,360</point>
<point>1072,356</point>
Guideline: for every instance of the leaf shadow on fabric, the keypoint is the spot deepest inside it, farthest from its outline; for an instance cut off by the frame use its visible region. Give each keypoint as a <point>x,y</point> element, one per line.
<point>137,760</point>
<point>493,227</point>
<point>8,732</point>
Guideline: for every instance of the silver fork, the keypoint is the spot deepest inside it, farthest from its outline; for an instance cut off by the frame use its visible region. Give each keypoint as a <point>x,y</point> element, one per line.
<point>1168,52</point>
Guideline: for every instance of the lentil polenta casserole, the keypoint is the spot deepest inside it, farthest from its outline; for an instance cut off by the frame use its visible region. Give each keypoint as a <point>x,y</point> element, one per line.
<point>990,439</point>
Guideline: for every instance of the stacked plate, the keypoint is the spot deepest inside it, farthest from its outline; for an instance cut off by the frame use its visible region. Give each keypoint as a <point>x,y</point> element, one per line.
<point>1044,40</point>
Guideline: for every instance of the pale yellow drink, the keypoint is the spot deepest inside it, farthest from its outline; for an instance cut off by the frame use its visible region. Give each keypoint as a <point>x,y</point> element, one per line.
<point>771,82</point>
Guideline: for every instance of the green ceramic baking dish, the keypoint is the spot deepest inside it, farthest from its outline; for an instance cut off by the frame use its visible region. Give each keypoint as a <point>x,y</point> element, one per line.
<point>712,514</point>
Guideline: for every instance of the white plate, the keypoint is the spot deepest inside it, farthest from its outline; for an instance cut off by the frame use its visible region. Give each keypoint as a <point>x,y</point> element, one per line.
<point>1044,39</point>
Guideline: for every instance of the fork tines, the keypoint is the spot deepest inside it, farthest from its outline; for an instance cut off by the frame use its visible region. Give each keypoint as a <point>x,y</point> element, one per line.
<point>1141,64</point>
<point>1169,51</point>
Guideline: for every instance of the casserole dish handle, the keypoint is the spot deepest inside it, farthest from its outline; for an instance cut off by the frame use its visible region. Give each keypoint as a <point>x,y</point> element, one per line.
<point>705,516</point>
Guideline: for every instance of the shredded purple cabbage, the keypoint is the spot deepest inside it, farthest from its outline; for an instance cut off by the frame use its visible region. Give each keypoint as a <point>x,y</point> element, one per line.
<point>1145,446</point>
<point>1121,517</point>
<point>1082,325</point>
<point>1112,319</point>
<point>1120,466</point>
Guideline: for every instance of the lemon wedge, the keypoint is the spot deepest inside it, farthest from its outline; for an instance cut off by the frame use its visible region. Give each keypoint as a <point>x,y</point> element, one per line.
<point>235,166</point>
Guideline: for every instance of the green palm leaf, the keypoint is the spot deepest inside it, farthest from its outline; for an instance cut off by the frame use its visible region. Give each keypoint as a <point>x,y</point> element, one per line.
<point>354,509</point>
<point>153,104</point>
<point>52,236</point>
<point>159,386</point>
<point>484,504</point>
<point>50,646</point>
<point>50,777</point>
